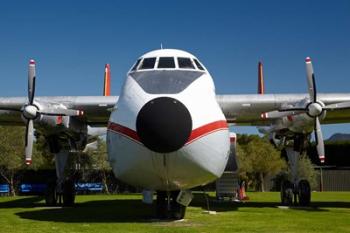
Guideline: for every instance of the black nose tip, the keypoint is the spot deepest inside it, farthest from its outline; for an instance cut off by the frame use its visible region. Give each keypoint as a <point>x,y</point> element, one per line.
<point>164,125</point>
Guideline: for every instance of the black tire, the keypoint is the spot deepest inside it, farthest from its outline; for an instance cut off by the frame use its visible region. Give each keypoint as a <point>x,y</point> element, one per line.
<point>68,193</point>
<point>161,205</point>
<point>177,210</point>
<point>287,193</point>
<point>304,193</point>
<point>51,194</point>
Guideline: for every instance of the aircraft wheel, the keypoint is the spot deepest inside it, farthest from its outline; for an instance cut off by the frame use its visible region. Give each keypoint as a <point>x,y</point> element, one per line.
<point>304,193</point>
<point>177,210</point>
<point>287,193</point>
<point>161,205</point>
<point>68,193</point>
<point>51,194</point>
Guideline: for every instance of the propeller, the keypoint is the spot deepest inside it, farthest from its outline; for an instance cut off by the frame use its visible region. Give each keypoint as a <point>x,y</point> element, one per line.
<point>314,109</point>
<point>31,112</point>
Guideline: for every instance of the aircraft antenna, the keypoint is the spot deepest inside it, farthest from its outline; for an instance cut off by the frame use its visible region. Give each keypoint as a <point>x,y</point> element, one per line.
<point>161,45</point>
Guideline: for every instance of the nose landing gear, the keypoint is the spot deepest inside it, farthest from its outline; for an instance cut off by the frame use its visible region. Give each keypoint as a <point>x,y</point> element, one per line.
<point>167,206</point>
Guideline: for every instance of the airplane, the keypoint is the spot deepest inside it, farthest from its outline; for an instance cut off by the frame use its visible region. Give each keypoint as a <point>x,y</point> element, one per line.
<point>168,131</point>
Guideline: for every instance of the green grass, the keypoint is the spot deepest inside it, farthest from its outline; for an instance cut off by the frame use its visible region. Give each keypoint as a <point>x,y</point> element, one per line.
<point>329,212</point>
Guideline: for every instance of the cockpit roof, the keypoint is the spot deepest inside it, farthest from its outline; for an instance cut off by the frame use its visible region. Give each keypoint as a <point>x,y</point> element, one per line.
<point>167,59</point>
<point>167,53</point>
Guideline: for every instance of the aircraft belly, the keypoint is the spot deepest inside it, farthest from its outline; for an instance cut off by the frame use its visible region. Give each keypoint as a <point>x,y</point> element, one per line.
<point>197,163</point>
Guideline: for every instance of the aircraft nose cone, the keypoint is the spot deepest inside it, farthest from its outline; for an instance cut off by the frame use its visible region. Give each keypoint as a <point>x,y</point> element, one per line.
<point>164,125</point>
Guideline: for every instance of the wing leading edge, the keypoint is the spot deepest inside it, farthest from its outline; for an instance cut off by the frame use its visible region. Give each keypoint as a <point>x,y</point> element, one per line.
<point>96,108</point>
<point>247,109</point>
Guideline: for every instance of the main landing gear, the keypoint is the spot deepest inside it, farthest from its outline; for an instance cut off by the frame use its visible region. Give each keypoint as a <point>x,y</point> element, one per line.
<point>295,191</point>
<point>300,193</point>
<point>167,206</point>
<point>60,191</point>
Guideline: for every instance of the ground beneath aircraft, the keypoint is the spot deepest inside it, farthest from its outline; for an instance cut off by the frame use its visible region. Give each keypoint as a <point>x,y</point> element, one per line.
<point>330,212</point>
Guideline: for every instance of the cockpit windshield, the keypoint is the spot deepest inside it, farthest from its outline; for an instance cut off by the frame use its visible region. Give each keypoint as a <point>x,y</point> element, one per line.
<point>199,66</point>
<point>166,62</point>
<point>136,65</point>
<point>185,63</point>
<point>154,63</point>
<point>170,74</point>
<point>148,63</point>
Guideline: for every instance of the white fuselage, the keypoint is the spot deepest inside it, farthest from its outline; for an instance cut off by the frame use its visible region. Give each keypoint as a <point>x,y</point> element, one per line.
<point>199,161</point>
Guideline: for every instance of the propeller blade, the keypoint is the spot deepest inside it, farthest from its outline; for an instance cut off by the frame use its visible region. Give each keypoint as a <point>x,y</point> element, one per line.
<point>319,140</point>
<point>342,105</point>
<point>311,80</point>
<point>31,81</point>
<point>62,112</point>
<point>29,138</point>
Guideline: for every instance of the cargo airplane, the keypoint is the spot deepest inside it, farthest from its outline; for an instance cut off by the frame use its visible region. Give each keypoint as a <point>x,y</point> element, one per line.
<point>168,131</point>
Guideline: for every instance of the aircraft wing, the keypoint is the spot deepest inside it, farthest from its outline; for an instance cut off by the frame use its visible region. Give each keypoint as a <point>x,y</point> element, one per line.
<point>247,109</point>
<point>96,108</point>
<point>238,109</point>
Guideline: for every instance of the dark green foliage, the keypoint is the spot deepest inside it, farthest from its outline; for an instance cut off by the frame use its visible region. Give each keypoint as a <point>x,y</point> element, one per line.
<point>306,171</point>
<point>96,160</point>
<point>12,155</point>
<point>257,160</point>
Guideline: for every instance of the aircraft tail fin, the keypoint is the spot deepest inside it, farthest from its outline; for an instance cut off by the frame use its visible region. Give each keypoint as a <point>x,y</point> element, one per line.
<point>261,86</point>
<point>107,81</point>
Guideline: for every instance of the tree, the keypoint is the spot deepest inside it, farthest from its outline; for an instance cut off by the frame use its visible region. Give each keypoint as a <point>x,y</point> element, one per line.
<point>307,171</point>
<point>12,155</point>
<point>244,163</point>
<point>97,160</point>
<point>258,158</point>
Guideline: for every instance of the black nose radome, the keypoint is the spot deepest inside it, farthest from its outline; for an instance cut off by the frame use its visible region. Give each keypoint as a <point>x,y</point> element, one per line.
<point>164,125</point>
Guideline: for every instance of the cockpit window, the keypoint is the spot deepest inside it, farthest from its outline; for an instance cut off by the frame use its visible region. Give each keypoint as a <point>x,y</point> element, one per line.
<point>199,66</point>
<point>185,63</point>
<point>136,65</point>
<point>148,63</point>
<point>166,62</point>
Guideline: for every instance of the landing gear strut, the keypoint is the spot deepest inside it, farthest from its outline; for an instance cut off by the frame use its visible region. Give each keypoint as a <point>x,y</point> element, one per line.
<point>61,190</point>
<point>295,191</point>
<point>167,207</point>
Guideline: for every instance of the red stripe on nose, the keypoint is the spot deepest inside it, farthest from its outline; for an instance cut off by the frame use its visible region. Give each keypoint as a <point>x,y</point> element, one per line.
<point>195,134</point>
<point>207,129</point>
<point>123,130</point>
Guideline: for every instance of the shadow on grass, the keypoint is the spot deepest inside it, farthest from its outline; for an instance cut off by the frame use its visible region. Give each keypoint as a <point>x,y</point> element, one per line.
<point>23,202</point>
<point>222,206</point>
<point>132,210</point>
<point>102,211</point>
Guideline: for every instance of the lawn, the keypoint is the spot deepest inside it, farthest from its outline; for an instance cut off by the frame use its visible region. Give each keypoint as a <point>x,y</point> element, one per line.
<point>329,212</point>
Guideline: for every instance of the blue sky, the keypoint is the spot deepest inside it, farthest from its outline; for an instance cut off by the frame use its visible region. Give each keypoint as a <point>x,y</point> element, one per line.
<point>72,40</point>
